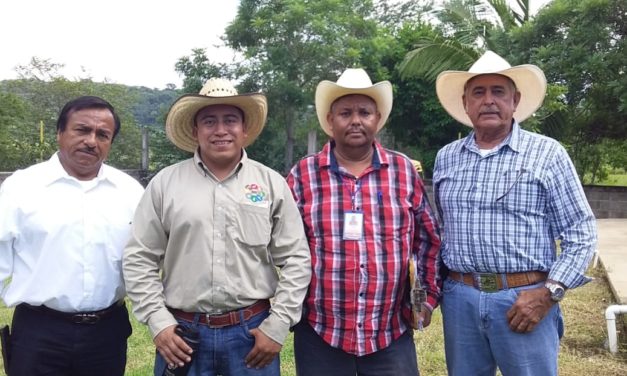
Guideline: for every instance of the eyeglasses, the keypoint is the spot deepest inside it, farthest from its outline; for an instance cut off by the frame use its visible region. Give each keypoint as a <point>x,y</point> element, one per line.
<point>520,173</point>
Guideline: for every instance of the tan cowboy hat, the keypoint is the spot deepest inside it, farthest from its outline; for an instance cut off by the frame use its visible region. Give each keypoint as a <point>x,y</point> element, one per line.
<point>529,80</point>
<point>352,81</point>
<point>181,117</point>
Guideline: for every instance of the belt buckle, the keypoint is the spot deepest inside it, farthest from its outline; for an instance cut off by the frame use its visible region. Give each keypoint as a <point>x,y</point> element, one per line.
<point>487,282</point>
<point>85,318</point>
<point>209,318</point>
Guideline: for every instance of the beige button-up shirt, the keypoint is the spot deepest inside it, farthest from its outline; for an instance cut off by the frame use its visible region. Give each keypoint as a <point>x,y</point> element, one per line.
<point>201,245</point>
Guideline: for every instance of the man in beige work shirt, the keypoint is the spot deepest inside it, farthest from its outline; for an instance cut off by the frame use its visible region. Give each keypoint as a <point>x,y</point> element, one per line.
<point>208,237</point>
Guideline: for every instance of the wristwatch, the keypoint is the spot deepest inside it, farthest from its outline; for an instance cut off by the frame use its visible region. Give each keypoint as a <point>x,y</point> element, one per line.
<point>557,291</point>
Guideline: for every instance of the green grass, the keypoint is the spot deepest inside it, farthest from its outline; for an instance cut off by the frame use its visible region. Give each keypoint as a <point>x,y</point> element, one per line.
<point>619,180</point>
<point>616,177</point>
<point>582,349</point>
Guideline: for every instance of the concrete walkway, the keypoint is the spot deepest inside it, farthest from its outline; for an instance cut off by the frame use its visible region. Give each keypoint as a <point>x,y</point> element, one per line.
<point>612,251</point>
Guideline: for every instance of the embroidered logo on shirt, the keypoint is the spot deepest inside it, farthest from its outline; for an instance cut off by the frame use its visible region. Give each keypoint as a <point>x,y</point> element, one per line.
<point>255,193</point>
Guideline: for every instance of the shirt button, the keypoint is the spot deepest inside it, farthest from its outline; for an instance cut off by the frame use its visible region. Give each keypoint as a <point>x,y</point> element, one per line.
<point>361,266</point>
<point>361,294</point>
<point>359,325</point>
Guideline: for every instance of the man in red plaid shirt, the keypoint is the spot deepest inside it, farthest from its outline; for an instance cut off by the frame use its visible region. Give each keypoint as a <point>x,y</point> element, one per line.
<point>366,214</point>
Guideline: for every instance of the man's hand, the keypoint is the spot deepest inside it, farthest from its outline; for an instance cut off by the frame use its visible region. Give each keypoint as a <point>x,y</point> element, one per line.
<point>264,351</point>
<point>529,309</point>
<point>425,316</point>
<point>172,347</point>
<point>421,319</point>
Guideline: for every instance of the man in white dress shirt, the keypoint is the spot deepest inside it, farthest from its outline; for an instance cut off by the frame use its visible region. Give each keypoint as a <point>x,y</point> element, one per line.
<point>63,227</point>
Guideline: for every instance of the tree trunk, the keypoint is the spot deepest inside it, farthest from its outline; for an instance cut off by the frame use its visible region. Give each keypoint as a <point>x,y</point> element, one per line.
<point>289,144</point>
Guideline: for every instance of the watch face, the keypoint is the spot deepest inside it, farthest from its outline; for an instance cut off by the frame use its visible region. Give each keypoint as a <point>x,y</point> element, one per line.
<point>557,291</point>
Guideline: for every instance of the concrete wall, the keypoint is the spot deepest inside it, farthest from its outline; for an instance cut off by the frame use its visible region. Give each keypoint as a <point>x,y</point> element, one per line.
<point>606,202</point>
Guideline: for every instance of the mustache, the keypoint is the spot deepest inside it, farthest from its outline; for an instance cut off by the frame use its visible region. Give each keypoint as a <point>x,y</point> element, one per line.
<point>89,150</point>
<point>490,110</point>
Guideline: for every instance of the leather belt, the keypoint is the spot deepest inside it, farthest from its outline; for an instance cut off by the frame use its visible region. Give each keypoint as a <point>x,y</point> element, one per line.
<point>89,318</point>
<point>491,282</point>
<point>225,319</point>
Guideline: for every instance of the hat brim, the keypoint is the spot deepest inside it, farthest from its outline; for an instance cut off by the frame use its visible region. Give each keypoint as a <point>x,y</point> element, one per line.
<point>529,79</point>
<point>327,92</point>
<point>180,121</point>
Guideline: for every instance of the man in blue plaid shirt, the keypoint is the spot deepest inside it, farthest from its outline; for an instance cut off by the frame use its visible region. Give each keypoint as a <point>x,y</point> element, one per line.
<point>505,196</point>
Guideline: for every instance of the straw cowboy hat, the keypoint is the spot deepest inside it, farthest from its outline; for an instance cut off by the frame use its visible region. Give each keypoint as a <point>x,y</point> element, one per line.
<point>529,80</point>
<point>352,81</point>
<point>181,117</point>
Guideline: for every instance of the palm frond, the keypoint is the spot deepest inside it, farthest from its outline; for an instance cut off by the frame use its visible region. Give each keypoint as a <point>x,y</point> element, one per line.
<point>434,55</point>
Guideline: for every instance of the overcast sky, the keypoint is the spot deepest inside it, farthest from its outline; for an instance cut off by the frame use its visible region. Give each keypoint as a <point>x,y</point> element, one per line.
<point>132,42</point>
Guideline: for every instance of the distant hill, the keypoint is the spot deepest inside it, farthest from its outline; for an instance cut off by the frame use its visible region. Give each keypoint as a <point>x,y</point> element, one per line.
<point>152,104</point>
<point>148,106</point>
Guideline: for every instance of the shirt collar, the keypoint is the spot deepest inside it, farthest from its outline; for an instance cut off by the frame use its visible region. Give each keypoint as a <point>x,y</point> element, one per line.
<point>512,140</point>
<point>202,168</point>
<point>327,158</point>
<point>55,172</point>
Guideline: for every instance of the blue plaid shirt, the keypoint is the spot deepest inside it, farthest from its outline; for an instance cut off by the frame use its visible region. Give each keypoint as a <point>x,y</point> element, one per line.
<point>501,213</point>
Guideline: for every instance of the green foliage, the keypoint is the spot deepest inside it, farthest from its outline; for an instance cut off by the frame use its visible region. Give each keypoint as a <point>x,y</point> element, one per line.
<point>465,28</point>
<point>418,123</point>
<point>292,45</point>
<point>151,105</point>
<point>19,139</point>
<point>163,152</point>
<point>581,47</point>
<point>197,69</point>
<point>39,95</point>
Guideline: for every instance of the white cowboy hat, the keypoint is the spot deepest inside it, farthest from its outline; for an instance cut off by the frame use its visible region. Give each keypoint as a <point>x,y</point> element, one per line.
<point>529,79</point>
<point>181,117</point>
<point>352,81</point>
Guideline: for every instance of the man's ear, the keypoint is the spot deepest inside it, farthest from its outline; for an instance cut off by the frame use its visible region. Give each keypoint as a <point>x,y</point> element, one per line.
<point>516,99</point>
<point>329,120</point>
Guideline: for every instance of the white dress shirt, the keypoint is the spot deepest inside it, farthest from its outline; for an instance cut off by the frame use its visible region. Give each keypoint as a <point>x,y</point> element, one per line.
<point>61,239</point>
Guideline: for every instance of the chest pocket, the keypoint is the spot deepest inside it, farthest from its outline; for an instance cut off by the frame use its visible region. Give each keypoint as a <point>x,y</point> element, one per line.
<point>389,214</point>
<point>253,225</point>
<point>521,191</point>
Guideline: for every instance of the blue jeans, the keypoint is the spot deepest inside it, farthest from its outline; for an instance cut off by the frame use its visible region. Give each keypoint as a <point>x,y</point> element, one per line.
<point>477,337</point>
<point>315,357</point>
<point>222,351</point>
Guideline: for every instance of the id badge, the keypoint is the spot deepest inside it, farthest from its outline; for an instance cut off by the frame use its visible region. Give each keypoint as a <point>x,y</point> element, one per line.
<point>353,225</point>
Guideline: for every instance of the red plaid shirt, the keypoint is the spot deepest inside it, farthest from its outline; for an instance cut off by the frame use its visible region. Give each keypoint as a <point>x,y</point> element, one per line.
<point>358,299</point>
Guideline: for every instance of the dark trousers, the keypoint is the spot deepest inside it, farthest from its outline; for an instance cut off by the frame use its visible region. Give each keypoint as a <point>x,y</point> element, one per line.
<point>45,344</point>
<point>314,357</point>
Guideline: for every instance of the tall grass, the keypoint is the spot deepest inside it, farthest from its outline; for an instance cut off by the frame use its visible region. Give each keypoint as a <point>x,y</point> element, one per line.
<point>583,349</point>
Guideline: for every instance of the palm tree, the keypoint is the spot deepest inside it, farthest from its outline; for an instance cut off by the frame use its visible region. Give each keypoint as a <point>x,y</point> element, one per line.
<point>464,30</point>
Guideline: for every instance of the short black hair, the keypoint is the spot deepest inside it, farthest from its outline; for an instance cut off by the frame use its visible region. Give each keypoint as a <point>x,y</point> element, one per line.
<point>86,102</point>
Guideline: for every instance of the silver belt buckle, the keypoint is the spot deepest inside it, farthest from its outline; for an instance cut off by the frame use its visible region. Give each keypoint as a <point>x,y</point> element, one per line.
<point>487,282</point>
<point>85,318</point>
